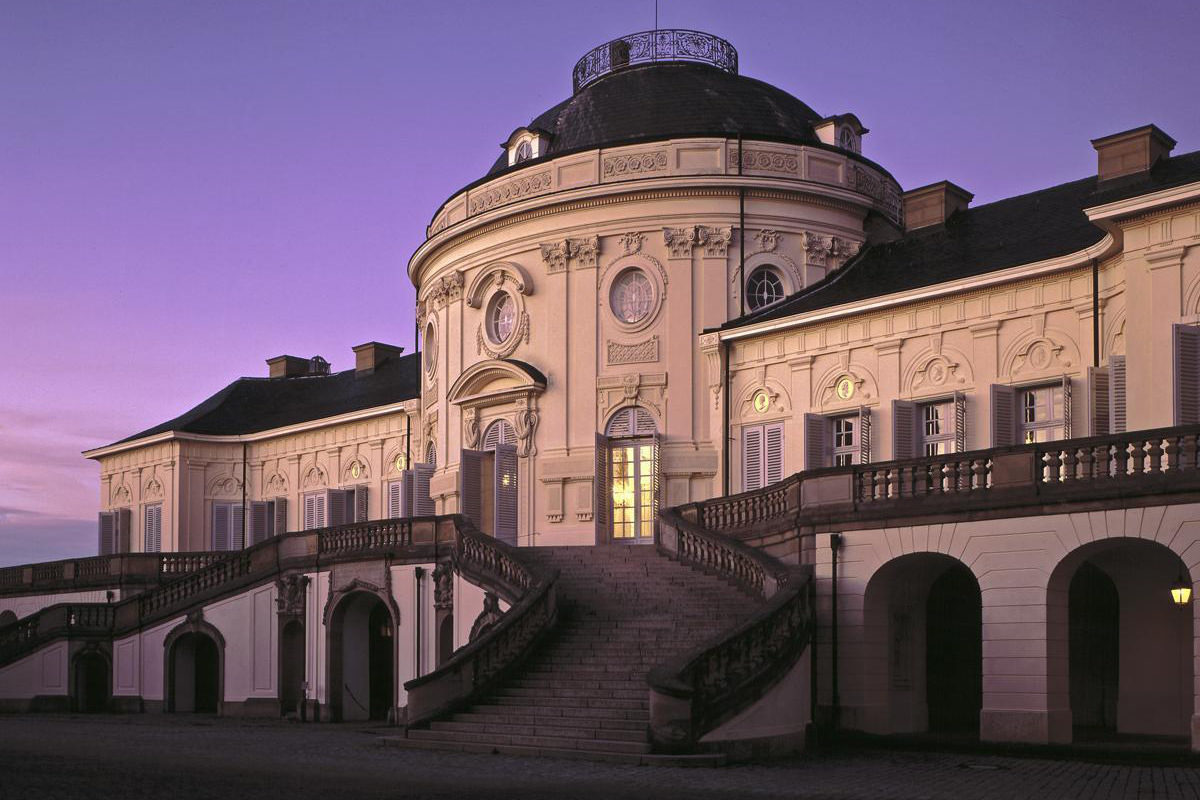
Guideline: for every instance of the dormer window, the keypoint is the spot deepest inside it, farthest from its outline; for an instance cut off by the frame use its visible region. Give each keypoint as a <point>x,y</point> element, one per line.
<point>525,144</point>
<point>847,140</point>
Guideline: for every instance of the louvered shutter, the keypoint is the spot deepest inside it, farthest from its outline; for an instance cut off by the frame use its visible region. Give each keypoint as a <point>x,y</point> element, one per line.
<point>752,457</point>
<point>281,525</point>
<point>506,494</point>
<point>1068,416</point>
<point>656,497</point>
<point>470,489</point>
<point>335,506</point>
<point>818,449</point>
<point>1004,415</point>
<point>152,528</point>
<point>600,492</point>
<point>773,453</point>
<point>1187,375</point>
<point>621,424</point>
<point>260,521</point>
<point>960,422</point>
<point>310,511</point>
<point>237,526</point>
<point>124,530</point>
<point>1116,394</point>
<point>407,482</point>
<point>1099,391</point>
<point>864,435</point>
<point>107,529</point>
<point>360,503</point>
<point>395,491</point>
<point>904,429</point>
<point>220,526</point>
<point>422,500</point>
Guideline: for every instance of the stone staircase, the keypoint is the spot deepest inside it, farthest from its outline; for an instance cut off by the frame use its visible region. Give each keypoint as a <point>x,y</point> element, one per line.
<point>583,693</point>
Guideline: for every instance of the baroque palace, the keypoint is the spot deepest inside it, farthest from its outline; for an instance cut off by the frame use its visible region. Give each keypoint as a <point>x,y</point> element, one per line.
<point>716,436</point>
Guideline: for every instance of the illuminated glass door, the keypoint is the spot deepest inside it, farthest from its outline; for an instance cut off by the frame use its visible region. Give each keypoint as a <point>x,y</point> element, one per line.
<point>632,480</point>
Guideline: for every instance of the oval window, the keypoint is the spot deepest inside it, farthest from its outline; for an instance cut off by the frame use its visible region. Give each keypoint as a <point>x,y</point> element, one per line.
<point>632,296</point>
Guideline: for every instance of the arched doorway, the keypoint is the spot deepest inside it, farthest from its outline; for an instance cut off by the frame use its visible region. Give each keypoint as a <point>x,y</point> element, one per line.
<point>1120,650</point>
<point>291,668</point>
<point>93,682</point>
<point>361,659</point>
<point>194,673</point>
<point>628,489</point>
<point>445,639</point>
<point>923,651</point>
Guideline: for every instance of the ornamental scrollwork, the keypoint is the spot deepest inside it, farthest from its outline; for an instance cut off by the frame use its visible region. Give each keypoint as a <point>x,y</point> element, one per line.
<point>679,241</point>
<point>714,240</point>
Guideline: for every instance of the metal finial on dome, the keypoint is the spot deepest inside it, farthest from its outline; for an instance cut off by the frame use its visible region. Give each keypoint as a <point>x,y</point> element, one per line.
<point>650,46</point>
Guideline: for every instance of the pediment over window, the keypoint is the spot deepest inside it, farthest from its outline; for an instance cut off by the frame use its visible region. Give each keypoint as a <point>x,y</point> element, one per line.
<point>496,380</point>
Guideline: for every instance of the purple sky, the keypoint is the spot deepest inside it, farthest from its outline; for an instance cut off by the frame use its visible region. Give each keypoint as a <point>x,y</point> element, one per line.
<point>188,188</point>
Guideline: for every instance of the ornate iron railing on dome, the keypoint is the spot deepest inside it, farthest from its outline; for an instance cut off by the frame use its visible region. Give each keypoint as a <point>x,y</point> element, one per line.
<point>646,47</point>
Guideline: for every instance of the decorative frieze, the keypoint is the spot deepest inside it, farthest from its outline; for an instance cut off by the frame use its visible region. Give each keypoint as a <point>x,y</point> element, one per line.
<point>639,353</point>
<point>510,191</point>
<point>765,161</point>
<point>714,240</point>
<point>632,164</point>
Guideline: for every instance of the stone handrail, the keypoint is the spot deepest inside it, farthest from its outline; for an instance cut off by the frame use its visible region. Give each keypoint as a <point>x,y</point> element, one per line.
<point>65,619</point>
<point>472,670</point>
<point>776,503</point>
<point>102,572</point>
<point>364,537</point>
<point>692,694</point>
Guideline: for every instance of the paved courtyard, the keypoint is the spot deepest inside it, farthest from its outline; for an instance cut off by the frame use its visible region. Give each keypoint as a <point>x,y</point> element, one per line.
<point>181,758</point>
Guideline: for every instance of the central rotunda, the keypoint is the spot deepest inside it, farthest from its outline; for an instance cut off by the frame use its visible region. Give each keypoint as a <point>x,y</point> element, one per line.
<point>568,386</point>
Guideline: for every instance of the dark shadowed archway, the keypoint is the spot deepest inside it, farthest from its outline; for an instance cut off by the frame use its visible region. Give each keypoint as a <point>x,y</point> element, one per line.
<point>362,673</point>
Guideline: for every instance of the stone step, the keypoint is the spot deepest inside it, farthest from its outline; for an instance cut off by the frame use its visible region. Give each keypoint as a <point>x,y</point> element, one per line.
<point>639,759</point>
<point>601,715</point>
<point>555,742</point>
<point>504,716</point>
<point>642,704</point>
<point>578,731</point>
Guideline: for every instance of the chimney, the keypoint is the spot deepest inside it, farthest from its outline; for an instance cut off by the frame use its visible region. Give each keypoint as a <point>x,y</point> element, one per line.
<point>933,204</point>
<point>296,367</point>
<point>370,355</point>
<point>1130,152</point>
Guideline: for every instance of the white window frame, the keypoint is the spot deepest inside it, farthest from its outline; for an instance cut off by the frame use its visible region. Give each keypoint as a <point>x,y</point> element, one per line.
<point>941,441</point>
<point>847,452</point>
<point>1048,398</point>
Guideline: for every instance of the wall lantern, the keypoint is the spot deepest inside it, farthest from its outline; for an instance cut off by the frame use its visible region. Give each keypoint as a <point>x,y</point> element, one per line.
<point>1181,592</point>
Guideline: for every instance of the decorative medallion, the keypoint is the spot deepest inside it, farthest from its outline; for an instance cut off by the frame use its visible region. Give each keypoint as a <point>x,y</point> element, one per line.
<point>762,401</point>
<point>844,388</point>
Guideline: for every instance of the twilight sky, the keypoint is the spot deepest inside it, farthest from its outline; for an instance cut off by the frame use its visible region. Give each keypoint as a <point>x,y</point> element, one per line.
<point>188,187</point>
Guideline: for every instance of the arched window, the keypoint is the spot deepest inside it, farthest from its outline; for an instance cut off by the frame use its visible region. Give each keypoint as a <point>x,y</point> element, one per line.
<point>501,317</point>
<point>627,477</point>
<point>524,152</point>
<point>431,454</point>
<point>499,432</point>
<point>763,288</point>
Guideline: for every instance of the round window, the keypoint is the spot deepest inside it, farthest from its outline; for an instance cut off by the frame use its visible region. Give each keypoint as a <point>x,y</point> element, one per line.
<point>501,317</point>
<point>632,296</point>
<point>763,288</point>
<point>430,347</point>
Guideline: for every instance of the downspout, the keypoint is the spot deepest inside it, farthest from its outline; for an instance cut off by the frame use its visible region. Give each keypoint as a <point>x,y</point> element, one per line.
<point>418,573</point>
<point>1095,313</point>
<point>741,232</point>
<point>835,543</point>
<point>725,432</point>
<point>245,516</point>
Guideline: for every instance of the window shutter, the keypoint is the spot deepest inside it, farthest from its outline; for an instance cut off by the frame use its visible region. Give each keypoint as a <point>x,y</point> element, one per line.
<point>1066,391</point>
<point>407,481</point>
<point>600,493</point>
<point>1004,415</point>
<point>752,457</point>
<point>658,440</point>
<point>773,450</point>
<point>470,488</point>
<point>960,422</point>
<point>260,521</point>
<point>1099,391</point>
<point>280,511</point>
<point>864,435</point>
<point>818,449</point>
<point>220,526</point>
<point>107,525</point>
<point>394,493</point>
<point>310,511</point>
<point>152,529</point>
<point>124,530</point>
<point>422,501</point>
<point>1187,375</point>
<point>1116,394</point>
<point>335,506</point>
<point>904,429</point>
<point>621,424</point>
<point>506,494</point>
<point>237,526</point>
<point>360,503</point>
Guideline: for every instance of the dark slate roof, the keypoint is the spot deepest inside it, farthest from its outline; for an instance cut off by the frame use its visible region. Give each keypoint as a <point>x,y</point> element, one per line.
<point>1019,230</point>
<point>250,405</point>
<point>665,100</point>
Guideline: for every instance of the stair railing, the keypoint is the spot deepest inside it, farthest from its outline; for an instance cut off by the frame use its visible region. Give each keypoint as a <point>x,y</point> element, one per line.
<point>696,692</point>
<point>83,620</point>
<point>474,669</point>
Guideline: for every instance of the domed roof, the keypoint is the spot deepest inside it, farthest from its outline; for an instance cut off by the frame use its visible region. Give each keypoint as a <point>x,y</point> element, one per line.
<point>670,99</point>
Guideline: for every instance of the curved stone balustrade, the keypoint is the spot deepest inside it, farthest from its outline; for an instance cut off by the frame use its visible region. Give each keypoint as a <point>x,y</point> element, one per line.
<point>363,537</point>
<point>775,504</point>
<point>695,693</point>
<point>67,619</point>
<point>473,669</point>
<point>100,572</point>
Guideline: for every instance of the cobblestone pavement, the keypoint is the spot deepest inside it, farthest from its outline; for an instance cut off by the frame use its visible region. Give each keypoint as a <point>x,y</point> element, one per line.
<point>187,758</point>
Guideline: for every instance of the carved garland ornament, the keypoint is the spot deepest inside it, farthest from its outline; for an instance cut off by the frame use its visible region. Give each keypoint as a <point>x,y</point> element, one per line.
<point>634,164</point>
<point>509,192</point>
<point>153,490</point>
<point>276,485</point>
